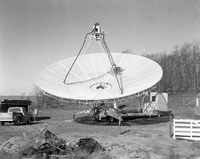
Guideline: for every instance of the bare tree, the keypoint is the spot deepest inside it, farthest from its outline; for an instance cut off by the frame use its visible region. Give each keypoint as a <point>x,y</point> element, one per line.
<point>181,68</point>
<point>128,51</point>
<point>39,95</point>
<point>22,96</point>
<point>42,99</point>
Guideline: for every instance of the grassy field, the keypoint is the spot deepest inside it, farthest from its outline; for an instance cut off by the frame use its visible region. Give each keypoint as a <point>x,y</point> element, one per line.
<point>141,138</point>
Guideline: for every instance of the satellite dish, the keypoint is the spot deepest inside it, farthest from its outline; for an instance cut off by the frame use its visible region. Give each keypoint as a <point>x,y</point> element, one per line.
<point>91,78</point>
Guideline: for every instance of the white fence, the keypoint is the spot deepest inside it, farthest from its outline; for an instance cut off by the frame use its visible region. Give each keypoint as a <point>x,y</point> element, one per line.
<point>186,129</point>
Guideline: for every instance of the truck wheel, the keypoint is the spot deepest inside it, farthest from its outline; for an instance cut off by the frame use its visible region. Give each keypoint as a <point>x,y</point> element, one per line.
<point>28,121</point>
<point>2,123</point>
<point>33,119</point>
<point>111,119</point>
<point>16,120</point>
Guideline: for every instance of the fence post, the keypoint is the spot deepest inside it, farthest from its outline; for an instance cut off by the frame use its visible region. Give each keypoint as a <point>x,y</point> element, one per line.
<point>170,126</point>
<point>174,135</point>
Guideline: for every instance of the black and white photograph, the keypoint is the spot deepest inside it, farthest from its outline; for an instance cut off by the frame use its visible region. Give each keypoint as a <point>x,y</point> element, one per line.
<point>99,79</point>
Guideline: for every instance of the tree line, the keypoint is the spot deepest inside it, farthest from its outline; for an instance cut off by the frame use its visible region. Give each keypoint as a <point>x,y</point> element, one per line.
<point>181,68</point>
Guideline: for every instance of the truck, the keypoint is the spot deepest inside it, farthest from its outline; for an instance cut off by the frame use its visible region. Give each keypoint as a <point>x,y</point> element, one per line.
<point>15,111</point>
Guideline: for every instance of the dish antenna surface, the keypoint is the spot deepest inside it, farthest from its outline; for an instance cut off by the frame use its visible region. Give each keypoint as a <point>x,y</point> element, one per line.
<point>99,76</point>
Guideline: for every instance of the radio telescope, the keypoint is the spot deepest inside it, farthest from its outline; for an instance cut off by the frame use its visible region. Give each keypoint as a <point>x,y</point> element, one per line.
<point>99,76</point>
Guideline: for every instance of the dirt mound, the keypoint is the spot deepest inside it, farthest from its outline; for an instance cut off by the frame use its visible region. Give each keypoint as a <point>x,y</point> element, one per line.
<point>45,144</point>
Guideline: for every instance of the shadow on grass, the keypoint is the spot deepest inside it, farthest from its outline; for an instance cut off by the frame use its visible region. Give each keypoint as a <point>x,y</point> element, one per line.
<point>136,121</point>
<point>32,123</point>
<point>42,118</point>
<point>22,124</point>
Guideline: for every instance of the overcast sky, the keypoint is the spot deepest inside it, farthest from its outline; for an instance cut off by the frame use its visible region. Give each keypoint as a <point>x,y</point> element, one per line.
<point>37,33</point>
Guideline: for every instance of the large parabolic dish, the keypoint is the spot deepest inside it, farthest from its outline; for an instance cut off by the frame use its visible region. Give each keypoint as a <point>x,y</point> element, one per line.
<point>90,78</point>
